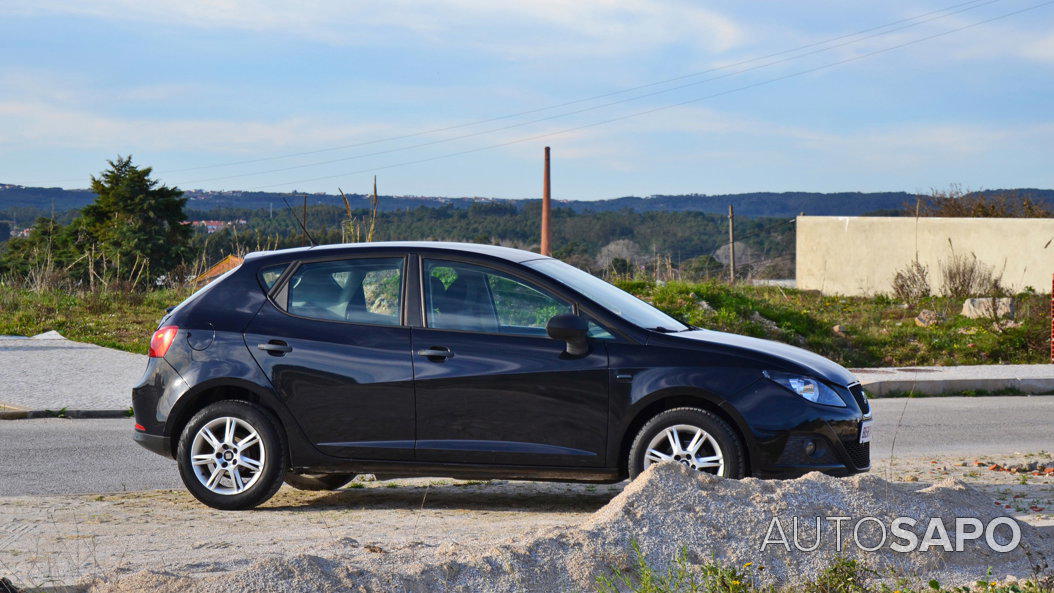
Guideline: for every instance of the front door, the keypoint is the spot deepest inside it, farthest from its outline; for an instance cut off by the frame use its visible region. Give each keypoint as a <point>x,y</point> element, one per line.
<point>491,386</point>
<point>336,350</point>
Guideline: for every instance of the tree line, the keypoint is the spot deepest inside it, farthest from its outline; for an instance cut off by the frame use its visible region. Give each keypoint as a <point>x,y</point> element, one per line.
<point>136,233</point>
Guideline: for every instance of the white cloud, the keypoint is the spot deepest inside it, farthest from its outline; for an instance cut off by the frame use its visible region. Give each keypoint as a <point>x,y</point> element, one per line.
<point>1041,49</point>
<point>702,131</point>
<point>535,27</point>
<point>43,125</point>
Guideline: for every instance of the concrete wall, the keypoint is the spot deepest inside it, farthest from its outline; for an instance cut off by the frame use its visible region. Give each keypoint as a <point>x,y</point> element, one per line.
<point>859,255</point>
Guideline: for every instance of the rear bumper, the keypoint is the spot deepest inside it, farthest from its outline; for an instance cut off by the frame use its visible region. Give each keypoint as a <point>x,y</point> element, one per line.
<point>160,383</point>
<point>158,444</point>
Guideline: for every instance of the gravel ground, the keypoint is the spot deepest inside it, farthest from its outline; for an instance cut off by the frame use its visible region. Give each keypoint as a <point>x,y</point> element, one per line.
<point>49,372</point>
<point>411,527</point>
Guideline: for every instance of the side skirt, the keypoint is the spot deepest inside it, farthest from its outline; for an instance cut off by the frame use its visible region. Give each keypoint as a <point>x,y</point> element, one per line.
<point>468,471</point>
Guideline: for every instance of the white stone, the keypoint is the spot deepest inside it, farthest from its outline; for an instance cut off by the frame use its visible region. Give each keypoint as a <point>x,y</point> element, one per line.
<point>984,307</point>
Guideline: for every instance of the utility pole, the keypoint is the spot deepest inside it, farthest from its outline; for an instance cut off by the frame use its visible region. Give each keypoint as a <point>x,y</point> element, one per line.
<point>546,197</point>
<point>731,245</point>
<point>305,218</point>
<point>373,214</point>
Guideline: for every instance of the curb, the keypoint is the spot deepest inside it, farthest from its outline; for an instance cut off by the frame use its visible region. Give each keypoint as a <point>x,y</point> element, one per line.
<point>9,414</point>
<point>952,386</point>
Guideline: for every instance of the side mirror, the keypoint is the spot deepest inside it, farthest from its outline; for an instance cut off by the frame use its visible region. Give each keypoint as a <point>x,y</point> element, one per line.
<point>571,329</point>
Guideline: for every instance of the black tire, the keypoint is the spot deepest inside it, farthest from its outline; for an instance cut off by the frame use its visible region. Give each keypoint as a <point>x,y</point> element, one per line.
<point>317,481</point>
<point>731,446</point>
<point>272,443</point>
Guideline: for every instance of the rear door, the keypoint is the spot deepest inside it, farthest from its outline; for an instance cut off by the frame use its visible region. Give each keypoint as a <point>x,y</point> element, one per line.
<point>335,346</point>
<point>491,386</point>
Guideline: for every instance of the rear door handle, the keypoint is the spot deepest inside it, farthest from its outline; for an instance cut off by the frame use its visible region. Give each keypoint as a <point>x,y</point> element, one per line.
<point>436,353</point>
<point>275,347</point>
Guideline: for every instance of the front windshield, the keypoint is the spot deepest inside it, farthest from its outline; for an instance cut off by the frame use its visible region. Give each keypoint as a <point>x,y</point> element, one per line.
<point>613,299</point>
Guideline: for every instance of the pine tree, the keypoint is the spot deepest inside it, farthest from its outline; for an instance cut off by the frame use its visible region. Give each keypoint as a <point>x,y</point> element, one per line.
<point>134,222</point>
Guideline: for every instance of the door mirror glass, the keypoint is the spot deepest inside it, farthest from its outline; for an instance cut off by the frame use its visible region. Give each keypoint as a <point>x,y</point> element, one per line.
<point>571,329</point>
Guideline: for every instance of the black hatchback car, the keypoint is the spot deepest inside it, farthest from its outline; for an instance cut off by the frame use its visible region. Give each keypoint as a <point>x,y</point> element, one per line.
<point>312,365</point>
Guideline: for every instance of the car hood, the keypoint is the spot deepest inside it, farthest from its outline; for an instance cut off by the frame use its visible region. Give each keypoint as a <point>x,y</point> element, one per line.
<point>793,358</point>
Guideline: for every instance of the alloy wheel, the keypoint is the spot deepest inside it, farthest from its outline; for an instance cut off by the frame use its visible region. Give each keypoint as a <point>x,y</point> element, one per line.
<point>688,445</point>
<point>227,455</point>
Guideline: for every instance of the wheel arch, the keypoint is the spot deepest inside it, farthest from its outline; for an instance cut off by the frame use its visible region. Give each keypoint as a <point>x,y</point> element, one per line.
<point>678,398</point>
<point>214,391</point>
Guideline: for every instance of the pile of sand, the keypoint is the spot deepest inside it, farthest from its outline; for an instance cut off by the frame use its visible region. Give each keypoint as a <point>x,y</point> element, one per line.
<point>666,510</point>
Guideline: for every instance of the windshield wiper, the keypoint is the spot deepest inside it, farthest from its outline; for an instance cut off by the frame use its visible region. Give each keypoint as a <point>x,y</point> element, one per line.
<point>666,330</point>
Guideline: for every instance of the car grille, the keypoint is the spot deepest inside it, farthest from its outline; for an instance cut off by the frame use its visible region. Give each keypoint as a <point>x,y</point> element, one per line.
<point>859,453</point>
<point>861,397</point>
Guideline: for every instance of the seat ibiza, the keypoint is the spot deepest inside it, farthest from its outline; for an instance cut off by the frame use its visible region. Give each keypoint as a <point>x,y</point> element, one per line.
<point>312,365</point>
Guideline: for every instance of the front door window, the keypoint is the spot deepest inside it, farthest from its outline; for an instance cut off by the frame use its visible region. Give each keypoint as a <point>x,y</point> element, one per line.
<point>466,297</point>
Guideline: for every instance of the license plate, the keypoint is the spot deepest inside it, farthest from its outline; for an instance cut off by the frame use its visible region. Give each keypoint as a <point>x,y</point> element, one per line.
<point>865,431</point>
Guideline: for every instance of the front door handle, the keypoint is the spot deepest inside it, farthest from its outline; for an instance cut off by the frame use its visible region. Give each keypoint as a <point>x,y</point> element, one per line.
<point>275,347</point>
<point>436,353</point>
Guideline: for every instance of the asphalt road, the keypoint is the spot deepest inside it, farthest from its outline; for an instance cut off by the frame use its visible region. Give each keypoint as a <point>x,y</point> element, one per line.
<point>57,456</point>
<point>916,427</point>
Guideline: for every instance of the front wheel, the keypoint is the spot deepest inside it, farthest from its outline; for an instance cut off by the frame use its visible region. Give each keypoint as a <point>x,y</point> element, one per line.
<point>232,455</point>
<point>693,437</point>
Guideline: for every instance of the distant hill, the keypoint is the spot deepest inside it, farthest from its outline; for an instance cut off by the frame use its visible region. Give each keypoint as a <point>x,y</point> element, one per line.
<point>758,204</point>
<point>16,198</point>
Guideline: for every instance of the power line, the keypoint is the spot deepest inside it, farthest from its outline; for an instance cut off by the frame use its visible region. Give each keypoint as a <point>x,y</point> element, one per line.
<point>974,5</point>
<point>970,4</point>
<point>665,107</point>
<point>575,101</point>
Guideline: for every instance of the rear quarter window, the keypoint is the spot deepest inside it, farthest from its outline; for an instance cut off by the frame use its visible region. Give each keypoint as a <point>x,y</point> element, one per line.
<point>271,274</point>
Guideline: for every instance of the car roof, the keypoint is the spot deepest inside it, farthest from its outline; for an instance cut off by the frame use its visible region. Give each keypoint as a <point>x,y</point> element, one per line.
<point>496,251</point>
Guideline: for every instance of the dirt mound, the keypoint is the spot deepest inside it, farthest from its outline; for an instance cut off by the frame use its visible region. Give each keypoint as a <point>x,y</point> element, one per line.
<point>666,510</point>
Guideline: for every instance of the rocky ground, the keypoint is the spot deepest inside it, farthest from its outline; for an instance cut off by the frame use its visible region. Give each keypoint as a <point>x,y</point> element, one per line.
<point>405,525</point>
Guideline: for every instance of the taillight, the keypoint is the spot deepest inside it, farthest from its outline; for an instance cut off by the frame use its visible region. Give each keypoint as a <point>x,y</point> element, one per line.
<point>161,340</point>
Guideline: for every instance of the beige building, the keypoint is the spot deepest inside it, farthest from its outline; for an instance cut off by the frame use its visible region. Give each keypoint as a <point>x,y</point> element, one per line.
<point>859,255</point>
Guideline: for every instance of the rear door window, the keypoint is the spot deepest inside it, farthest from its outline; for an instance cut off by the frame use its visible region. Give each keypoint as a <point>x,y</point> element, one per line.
<point>360,290</point>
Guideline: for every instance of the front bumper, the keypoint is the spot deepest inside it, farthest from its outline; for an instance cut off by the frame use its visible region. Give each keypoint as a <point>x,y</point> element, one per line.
<point>792,437</point>
<point>834,457</point>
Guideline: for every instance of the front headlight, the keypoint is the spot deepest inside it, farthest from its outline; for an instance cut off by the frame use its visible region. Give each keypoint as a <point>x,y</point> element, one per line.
<point>807,387</point>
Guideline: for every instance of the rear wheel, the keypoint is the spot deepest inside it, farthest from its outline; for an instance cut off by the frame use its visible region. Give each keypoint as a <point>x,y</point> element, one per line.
<point>232,455</point>
<point>317,481</point>
<point>695,438</point>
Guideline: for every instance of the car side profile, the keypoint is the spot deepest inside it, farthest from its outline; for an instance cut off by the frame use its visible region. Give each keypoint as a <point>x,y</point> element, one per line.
<point>312,365</point>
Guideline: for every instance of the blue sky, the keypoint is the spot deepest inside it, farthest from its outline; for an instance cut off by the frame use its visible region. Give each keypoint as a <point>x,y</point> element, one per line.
<point>201,83</point>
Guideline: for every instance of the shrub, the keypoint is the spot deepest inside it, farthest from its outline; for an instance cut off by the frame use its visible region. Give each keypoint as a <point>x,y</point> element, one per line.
<point>912,284</point>
<point>964,276</point>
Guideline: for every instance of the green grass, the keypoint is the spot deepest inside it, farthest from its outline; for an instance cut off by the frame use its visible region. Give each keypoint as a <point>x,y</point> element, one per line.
<point>122,320</point>
<point>876,331</point>
<point>842,575</point>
